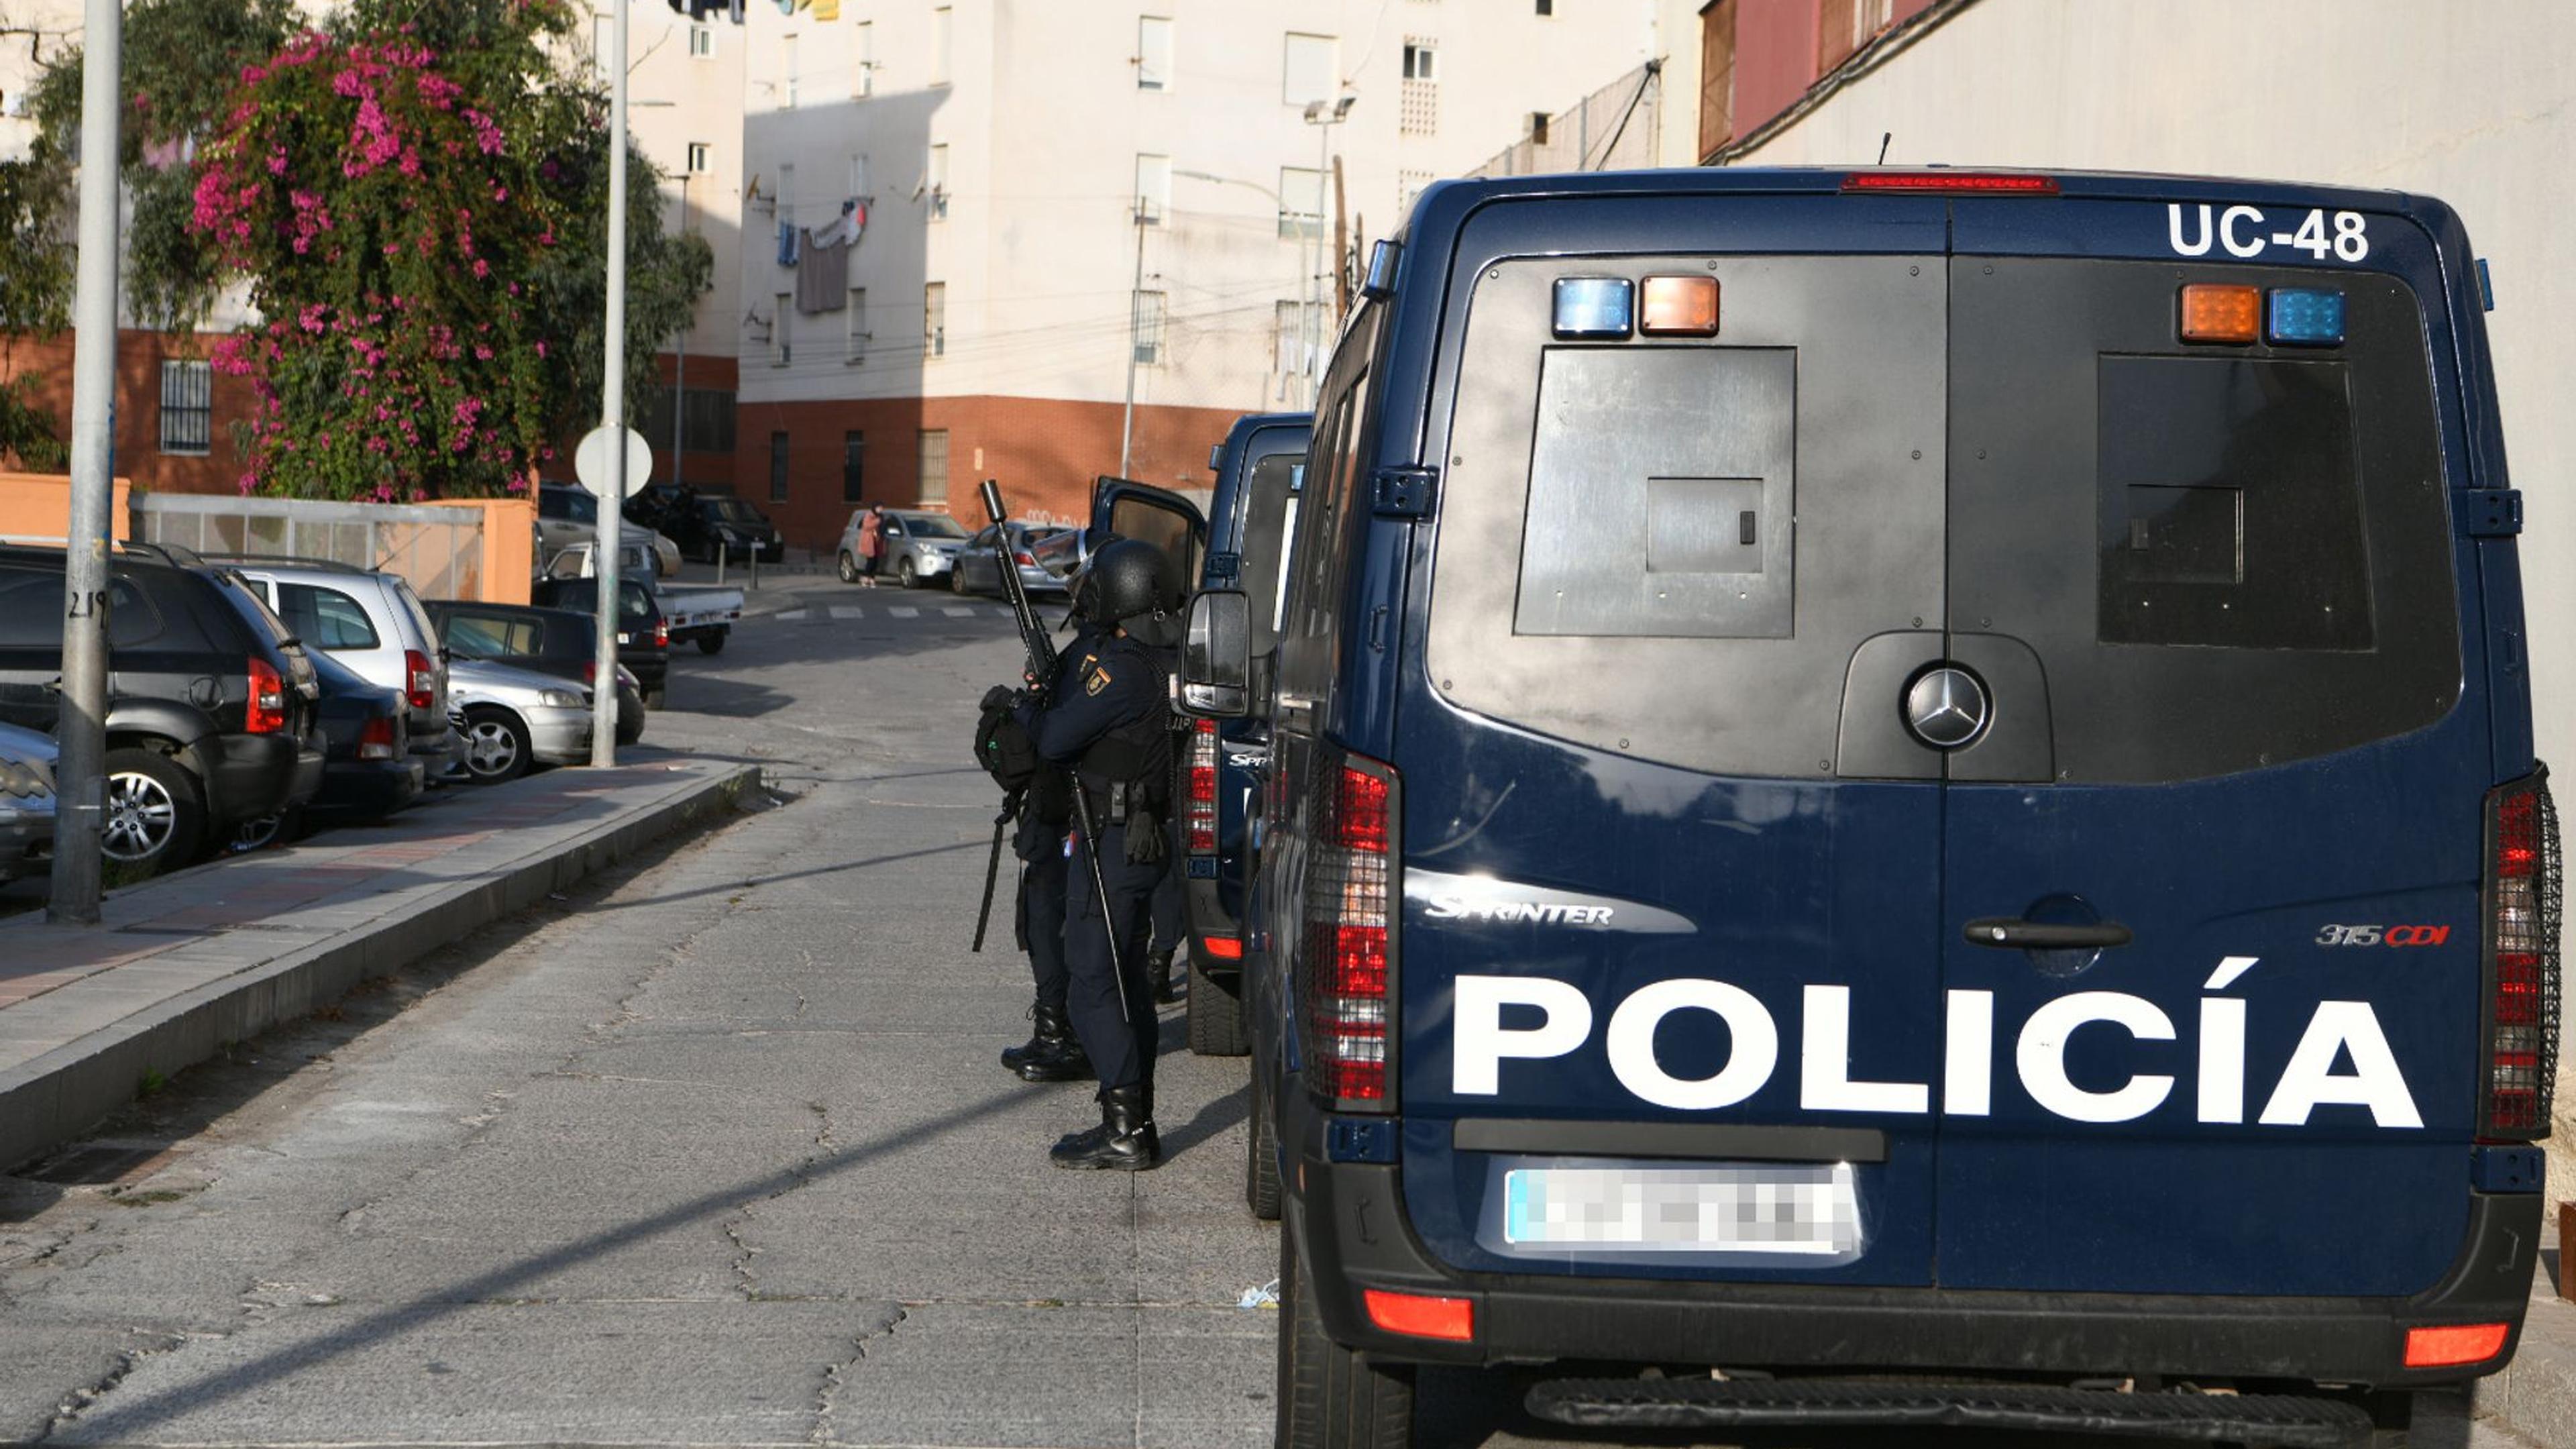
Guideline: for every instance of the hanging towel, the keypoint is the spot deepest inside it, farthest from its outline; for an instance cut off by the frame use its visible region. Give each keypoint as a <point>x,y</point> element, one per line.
<point>845,230</point>
<point>787,243</point>
<point>822,276</point>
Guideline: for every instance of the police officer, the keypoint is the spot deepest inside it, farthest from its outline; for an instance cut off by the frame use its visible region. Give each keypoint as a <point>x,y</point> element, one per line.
<point>1171,904</point>
<point>1109,720</point>
<point>1051,1053</point>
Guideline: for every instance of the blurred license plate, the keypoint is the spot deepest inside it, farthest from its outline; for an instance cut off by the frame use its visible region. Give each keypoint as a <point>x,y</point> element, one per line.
<point>1710,1208</point>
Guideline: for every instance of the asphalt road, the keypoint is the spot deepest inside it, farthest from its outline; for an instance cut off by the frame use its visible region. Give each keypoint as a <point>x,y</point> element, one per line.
<point>714,1152</point>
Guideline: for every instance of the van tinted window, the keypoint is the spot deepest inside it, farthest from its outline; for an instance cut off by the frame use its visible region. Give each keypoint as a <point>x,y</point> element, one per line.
<point>1269,518</point>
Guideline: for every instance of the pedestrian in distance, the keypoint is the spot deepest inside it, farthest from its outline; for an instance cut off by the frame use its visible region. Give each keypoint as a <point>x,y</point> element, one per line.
<point>871,544</point>
<point>1109,721</point>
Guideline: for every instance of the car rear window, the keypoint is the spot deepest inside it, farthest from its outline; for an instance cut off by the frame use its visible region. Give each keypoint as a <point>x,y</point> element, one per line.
<point>325,618</point>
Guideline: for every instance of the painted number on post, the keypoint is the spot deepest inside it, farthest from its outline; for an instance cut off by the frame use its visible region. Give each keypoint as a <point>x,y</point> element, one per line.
<point>2244,231</point>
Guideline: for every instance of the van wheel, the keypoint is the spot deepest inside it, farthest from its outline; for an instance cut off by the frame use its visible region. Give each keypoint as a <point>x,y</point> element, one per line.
<point>1261,1157</point>
<point>1330,1397</point>
<point>1216,1016</point>
<point>849,568</point>
<point>712,643</point>
<point>156,815</point>
<point>496,746</point>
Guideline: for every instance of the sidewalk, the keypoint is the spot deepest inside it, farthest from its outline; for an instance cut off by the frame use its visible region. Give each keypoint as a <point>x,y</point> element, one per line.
<point>182,966</point>
<point>2535,1397</point>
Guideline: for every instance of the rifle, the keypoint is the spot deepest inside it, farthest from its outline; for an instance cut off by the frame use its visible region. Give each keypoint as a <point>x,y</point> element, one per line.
<point>1043,663</point>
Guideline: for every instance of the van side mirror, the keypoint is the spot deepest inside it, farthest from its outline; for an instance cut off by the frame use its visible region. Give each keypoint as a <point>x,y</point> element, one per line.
<point>1216,655</point>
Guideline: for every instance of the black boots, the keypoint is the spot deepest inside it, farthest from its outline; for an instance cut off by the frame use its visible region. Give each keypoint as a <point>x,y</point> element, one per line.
<point>1124,1140</point>
<point>1167,983</point>
<point>1050,1054</point>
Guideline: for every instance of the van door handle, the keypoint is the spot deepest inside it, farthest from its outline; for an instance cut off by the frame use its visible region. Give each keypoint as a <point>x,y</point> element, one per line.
<point>2009,933</point>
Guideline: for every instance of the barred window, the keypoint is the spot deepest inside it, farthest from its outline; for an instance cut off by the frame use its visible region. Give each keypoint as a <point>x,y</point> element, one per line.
<point>187,408</point>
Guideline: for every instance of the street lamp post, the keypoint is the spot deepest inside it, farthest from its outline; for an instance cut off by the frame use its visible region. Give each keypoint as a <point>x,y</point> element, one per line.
<point>1323,118</point>
<point>611,535</point>
<point>1282,204</point>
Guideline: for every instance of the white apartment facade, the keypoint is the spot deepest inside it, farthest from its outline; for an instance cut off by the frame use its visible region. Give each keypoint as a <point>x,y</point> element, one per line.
<point>1000,153</point>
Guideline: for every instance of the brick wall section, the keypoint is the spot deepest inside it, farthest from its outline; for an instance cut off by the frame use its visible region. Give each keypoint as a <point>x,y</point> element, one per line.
<point>720,373</point>
<point>1045,452</point>
<point>139,355</point>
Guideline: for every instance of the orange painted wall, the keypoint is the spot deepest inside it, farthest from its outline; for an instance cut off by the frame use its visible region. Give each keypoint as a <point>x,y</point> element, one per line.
<point>39,505</point>
<point>509,550</point>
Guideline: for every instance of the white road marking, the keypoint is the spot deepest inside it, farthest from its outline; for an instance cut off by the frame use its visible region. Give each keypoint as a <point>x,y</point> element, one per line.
<point>905,613</point>
<point>958,612</point>
<point>792,614</point>
<point>848,611</point>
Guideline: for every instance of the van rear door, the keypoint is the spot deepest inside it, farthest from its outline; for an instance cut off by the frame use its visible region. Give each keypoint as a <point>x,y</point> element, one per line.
<point>2209,591</point>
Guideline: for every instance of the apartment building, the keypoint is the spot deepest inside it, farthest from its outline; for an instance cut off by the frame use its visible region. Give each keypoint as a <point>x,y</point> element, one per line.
<point>969,226</point>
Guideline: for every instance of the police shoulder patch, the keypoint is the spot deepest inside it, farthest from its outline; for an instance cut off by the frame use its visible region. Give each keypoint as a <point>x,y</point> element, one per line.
<point>1098,681</point>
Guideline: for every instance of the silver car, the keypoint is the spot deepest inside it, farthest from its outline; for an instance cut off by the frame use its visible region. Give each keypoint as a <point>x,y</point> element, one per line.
<point>516,719</point>
<point>26,801</point>
<point>978,565</point>
<point>567,515</point>
<point>917,546</point>
<point>373,623</point>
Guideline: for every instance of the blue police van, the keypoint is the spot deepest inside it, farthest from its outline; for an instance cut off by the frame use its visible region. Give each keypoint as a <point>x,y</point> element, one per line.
<point>1901,798</point>
<point>1257,469</point>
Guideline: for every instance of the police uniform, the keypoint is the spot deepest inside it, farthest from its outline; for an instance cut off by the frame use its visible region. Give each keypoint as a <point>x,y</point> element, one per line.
<point>1045,854</point>
<point>1108,719</point>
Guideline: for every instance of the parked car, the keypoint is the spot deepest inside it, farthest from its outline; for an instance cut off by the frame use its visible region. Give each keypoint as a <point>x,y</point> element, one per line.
<point>917,546</point>
<point>371,621</point>
<point>708,525</point>
<point>643,630</point>
<point>368,768</point>
<point>210,715</point>
<point>517,719</point>
<point>977,568</point>
<point>568,513</point>
<point>550,641</point>
<point>26,801</point>
<point>690,614</point>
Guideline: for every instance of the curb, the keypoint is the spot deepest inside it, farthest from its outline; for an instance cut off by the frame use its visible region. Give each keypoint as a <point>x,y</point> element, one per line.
<point>69,1090</point>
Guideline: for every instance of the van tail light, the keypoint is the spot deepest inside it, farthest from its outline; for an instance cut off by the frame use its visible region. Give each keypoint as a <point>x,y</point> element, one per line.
<point>1200,807</point>
<point>1421,1315</point>
<point>1223,948</point>
<point>2450,1344</point>
<point>1344,978</point>
<point>2520,1039</point>
<point>376,739</point>
<point>267,712</point>
<point>661,633</point>
<point>420,681</point>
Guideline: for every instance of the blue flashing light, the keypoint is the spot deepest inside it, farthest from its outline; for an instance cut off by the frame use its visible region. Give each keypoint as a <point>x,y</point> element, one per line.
<point>1595,306</point>
<point>2304,316</point>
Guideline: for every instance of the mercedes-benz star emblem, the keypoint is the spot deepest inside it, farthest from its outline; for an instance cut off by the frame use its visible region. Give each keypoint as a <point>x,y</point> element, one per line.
<point>1946,707</point>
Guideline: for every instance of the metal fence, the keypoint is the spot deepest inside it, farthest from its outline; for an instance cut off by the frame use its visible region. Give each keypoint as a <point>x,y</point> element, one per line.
<point>439,550</point>
<point>1612,128</point>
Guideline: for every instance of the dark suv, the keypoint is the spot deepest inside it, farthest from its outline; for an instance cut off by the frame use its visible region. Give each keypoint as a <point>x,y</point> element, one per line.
<point>643,630</point>
<point>705,525</point>
<point>211,715</point>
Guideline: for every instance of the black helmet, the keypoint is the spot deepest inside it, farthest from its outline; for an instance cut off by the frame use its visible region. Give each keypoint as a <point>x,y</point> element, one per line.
<point>1130,582</point>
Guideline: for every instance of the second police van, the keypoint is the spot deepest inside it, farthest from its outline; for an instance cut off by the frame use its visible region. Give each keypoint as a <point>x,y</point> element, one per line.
<point>1901,798</point>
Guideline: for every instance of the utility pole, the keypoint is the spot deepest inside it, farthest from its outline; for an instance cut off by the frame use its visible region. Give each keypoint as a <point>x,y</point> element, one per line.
<point>1341,248</point>
<point>80,725</point>
<point>1135,320</point>
<point>680,352</point>
<point>610,540</point>
<point>1323,116</point>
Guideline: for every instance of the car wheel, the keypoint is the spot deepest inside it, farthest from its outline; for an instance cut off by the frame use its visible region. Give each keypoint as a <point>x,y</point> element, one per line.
<point>907,575</point>
<point>1216,1017</point>
<point>713,643</point>
<point>156,813</point>
<point>1261,1157</point>
<point>496,745</point>
<point>630,717</point>
<point>264,832</point>
<point>1330,1397</point>
<point>849,568</point>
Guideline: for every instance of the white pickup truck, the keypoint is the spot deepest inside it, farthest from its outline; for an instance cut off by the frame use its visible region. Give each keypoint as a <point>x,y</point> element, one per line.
<point>705,615</point>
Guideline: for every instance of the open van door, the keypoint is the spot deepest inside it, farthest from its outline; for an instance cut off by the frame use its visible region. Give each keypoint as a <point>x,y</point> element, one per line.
<point>1158,516</point>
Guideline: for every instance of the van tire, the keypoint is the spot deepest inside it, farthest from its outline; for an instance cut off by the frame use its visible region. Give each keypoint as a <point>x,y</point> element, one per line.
<point>1261,1156</point>
<point>1329,1396</point>
<point>1216,1017</point>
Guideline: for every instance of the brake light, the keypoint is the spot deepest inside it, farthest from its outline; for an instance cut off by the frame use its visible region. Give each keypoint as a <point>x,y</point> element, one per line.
<point>1425,1315</point>
<point>590,672</point>
<point>1344,974</point>
<point>422,680</point>
<point>661,633</point>
<point>376,739</point>
<point>1025,557</point>
<point>2521,956</point>
<point>2454,1343</point>
<point>1200,814</point>
<point>1223,948</point>
<point>1984,183</point>
<point>266,714</point>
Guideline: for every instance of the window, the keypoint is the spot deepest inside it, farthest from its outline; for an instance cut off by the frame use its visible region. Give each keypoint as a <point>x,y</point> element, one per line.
<point>787,194</point>
<point>1153,53</point>
<point>942,37</point>
<point>1301,193</point>
<point>859,175</point>
<point>1418,106</point>
<point>787,72</point>
<point>854,466</point>
<point>1153,188</point>
<point>1297,326</point>
<point>934,319</point>
<point>779,353</point>
<point>1307,74</point>
<point>935,178</point>
<point>1149,327</point>
<point>1547,7</point>
<point>934,466</point>
<point>854,345</point>
<point>1716,76</point>
<point>1409,186</point>
<point>1844,26</point>
<point>863,59</point>
<point>777,467</point>
<point>701,158</point>
<point>1538,127</point>
<point>1421,59</point>
<point>702,42</point>
<point>326,618</point>
<point>187,408</point>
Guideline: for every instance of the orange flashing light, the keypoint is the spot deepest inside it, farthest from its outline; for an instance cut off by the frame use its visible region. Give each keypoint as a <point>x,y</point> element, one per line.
<point>2454,1343</point>
<point>2212,312</point>
<point>1423,1315</point>
<point>1224,948</point>
<point>1679,307</point>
